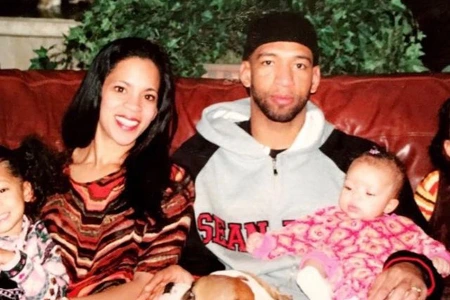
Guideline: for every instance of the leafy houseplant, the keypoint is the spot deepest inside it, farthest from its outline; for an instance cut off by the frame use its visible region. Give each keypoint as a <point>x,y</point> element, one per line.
<point>381,38</point>
<point>355,36</point>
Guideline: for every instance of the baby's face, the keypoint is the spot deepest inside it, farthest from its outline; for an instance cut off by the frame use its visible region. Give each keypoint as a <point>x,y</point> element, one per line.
<point>367,191</point>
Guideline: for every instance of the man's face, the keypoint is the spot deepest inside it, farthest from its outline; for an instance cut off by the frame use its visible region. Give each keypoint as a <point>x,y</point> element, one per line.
<point>281,77</point>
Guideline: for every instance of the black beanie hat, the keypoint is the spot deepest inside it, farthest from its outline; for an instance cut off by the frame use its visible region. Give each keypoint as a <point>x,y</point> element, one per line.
<point>281,27</point>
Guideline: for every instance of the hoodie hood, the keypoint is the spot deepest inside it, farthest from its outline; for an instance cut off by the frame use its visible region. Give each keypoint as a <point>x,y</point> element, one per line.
<point>219,125</point>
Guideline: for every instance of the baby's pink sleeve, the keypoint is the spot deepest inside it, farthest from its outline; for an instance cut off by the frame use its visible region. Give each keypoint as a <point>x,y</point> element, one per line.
<point>297,238</point>
<point>426,245</point>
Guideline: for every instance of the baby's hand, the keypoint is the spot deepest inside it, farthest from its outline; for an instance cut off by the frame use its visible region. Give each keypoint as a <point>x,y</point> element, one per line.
<point>441,265</point>
<point>5,257</point>
<point>260,245</point>
<point>254,241</point>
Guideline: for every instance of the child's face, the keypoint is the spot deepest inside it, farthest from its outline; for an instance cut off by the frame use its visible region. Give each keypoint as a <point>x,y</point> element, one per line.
<point>13,195</point>
<point>368,191</point>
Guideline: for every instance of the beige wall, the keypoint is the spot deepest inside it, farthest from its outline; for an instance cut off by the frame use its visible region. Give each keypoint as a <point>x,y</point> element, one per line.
<point>221,71</point>
<point>19,36</point>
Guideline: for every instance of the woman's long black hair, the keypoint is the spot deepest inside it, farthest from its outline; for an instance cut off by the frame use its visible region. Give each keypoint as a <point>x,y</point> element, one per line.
<point>38,164</point>
<point>436,149</point>
<point>147,164</point>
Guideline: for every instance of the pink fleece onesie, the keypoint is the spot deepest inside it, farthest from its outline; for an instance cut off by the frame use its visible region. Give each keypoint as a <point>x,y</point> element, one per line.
<point>356,249</point>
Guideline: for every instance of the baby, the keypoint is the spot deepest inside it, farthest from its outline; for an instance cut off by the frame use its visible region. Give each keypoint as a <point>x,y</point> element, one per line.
<point>343,248</point>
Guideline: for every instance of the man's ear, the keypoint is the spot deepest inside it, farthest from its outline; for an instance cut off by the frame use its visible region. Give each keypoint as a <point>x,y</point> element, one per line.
<point>315,79</point>
<point>27,189</point>
<point>447,148</point>
<point>245,73</point>
<point>391,206</point>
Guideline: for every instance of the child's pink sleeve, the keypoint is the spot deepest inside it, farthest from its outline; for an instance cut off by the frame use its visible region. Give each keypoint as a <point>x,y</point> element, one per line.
<point>38,269</point>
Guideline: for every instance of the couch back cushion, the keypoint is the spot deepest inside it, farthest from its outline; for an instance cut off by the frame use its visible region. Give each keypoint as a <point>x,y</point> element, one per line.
<point>33,102</point>
<point>398,112</point>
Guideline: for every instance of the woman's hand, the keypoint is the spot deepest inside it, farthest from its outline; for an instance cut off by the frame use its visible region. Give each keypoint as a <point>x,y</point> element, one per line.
<point>402,281</point>
<point>155,286</point>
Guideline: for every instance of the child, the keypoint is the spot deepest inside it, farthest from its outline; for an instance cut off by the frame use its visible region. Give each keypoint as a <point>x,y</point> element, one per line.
<point>343,248</point>
<point>432,194</point>
<point>28,256</point>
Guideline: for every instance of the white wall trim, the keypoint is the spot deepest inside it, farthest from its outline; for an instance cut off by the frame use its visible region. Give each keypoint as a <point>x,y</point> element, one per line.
<point>35,27</point>
<point>19,36</point>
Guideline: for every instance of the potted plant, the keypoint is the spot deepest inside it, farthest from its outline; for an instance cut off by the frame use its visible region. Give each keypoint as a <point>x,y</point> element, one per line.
<point>355,36</point>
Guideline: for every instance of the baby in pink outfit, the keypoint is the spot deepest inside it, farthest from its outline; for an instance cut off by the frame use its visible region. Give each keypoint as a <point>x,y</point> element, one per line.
<point>343,248</point>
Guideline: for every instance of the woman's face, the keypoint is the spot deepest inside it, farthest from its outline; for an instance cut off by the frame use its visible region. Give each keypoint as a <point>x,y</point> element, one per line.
<point>129,101</point>
<point>447,148</point>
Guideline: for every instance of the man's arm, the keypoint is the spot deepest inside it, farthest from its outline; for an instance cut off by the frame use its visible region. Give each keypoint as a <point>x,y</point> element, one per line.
<point>408,207</point>
<point>196,258</point>
<point>407,272</point>
<point>432,279</point>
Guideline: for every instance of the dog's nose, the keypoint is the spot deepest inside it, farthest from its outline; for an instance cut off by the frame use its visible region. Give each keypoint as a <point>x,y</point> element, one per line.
<point>168,288</point>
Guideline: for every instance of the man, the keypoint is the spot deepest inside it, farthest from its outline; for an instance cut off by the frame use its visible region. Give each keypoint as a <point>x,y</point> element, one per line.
<point>263,161</point>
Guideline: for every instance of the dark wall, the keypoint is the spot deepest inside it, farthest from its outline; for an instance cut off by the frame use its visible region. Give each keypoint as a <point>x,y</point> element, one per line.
<point>433,17</point>
<point>28,8</point>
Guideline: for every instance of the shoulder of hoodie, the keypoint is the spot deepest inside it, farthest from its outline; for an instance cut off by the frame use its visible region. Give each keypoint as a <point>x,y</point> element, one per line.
<point>339,146</point>
<point>195,152</point>
<point>343,148</point>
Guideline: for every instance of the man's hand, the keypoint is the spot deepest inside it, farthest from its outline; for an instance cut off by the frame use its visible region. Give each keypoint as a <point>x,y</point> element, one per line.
<point>402,281</point>
<point>155,286</point>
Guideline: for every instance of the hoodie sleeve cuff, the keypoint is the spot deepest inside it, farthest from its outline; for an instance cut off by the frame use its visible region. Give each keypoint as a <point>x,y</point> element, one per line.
<point>431,277</point>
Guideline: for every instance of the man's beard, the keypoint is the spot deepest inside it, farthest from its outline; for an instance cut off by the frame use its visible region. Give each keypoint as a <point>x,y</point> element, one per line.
<point>272,115</point>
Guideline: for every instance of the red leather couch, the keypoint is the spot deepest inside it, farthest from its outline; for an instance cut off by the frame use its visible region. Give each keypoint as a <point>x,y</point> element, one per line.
<point>398,111</point>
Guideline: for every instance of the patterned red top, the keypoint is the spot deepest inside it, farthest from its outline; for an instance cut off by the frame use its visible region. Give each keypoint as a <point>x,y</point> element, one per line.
<point>426,194</point>
<point>102,245</point>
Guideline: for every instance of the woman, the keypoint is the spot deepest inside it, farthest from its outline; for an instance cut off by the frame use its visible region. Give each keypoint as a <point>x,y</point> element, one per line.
<point>433,192</point>
<point>127,210</point>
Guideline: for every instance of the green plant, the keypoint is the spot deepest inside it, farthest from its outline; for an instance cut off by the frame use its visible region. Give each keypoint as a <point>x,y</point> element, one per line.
<point>42,61</point>
<point>381,38</point>
<point>355,36</point>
